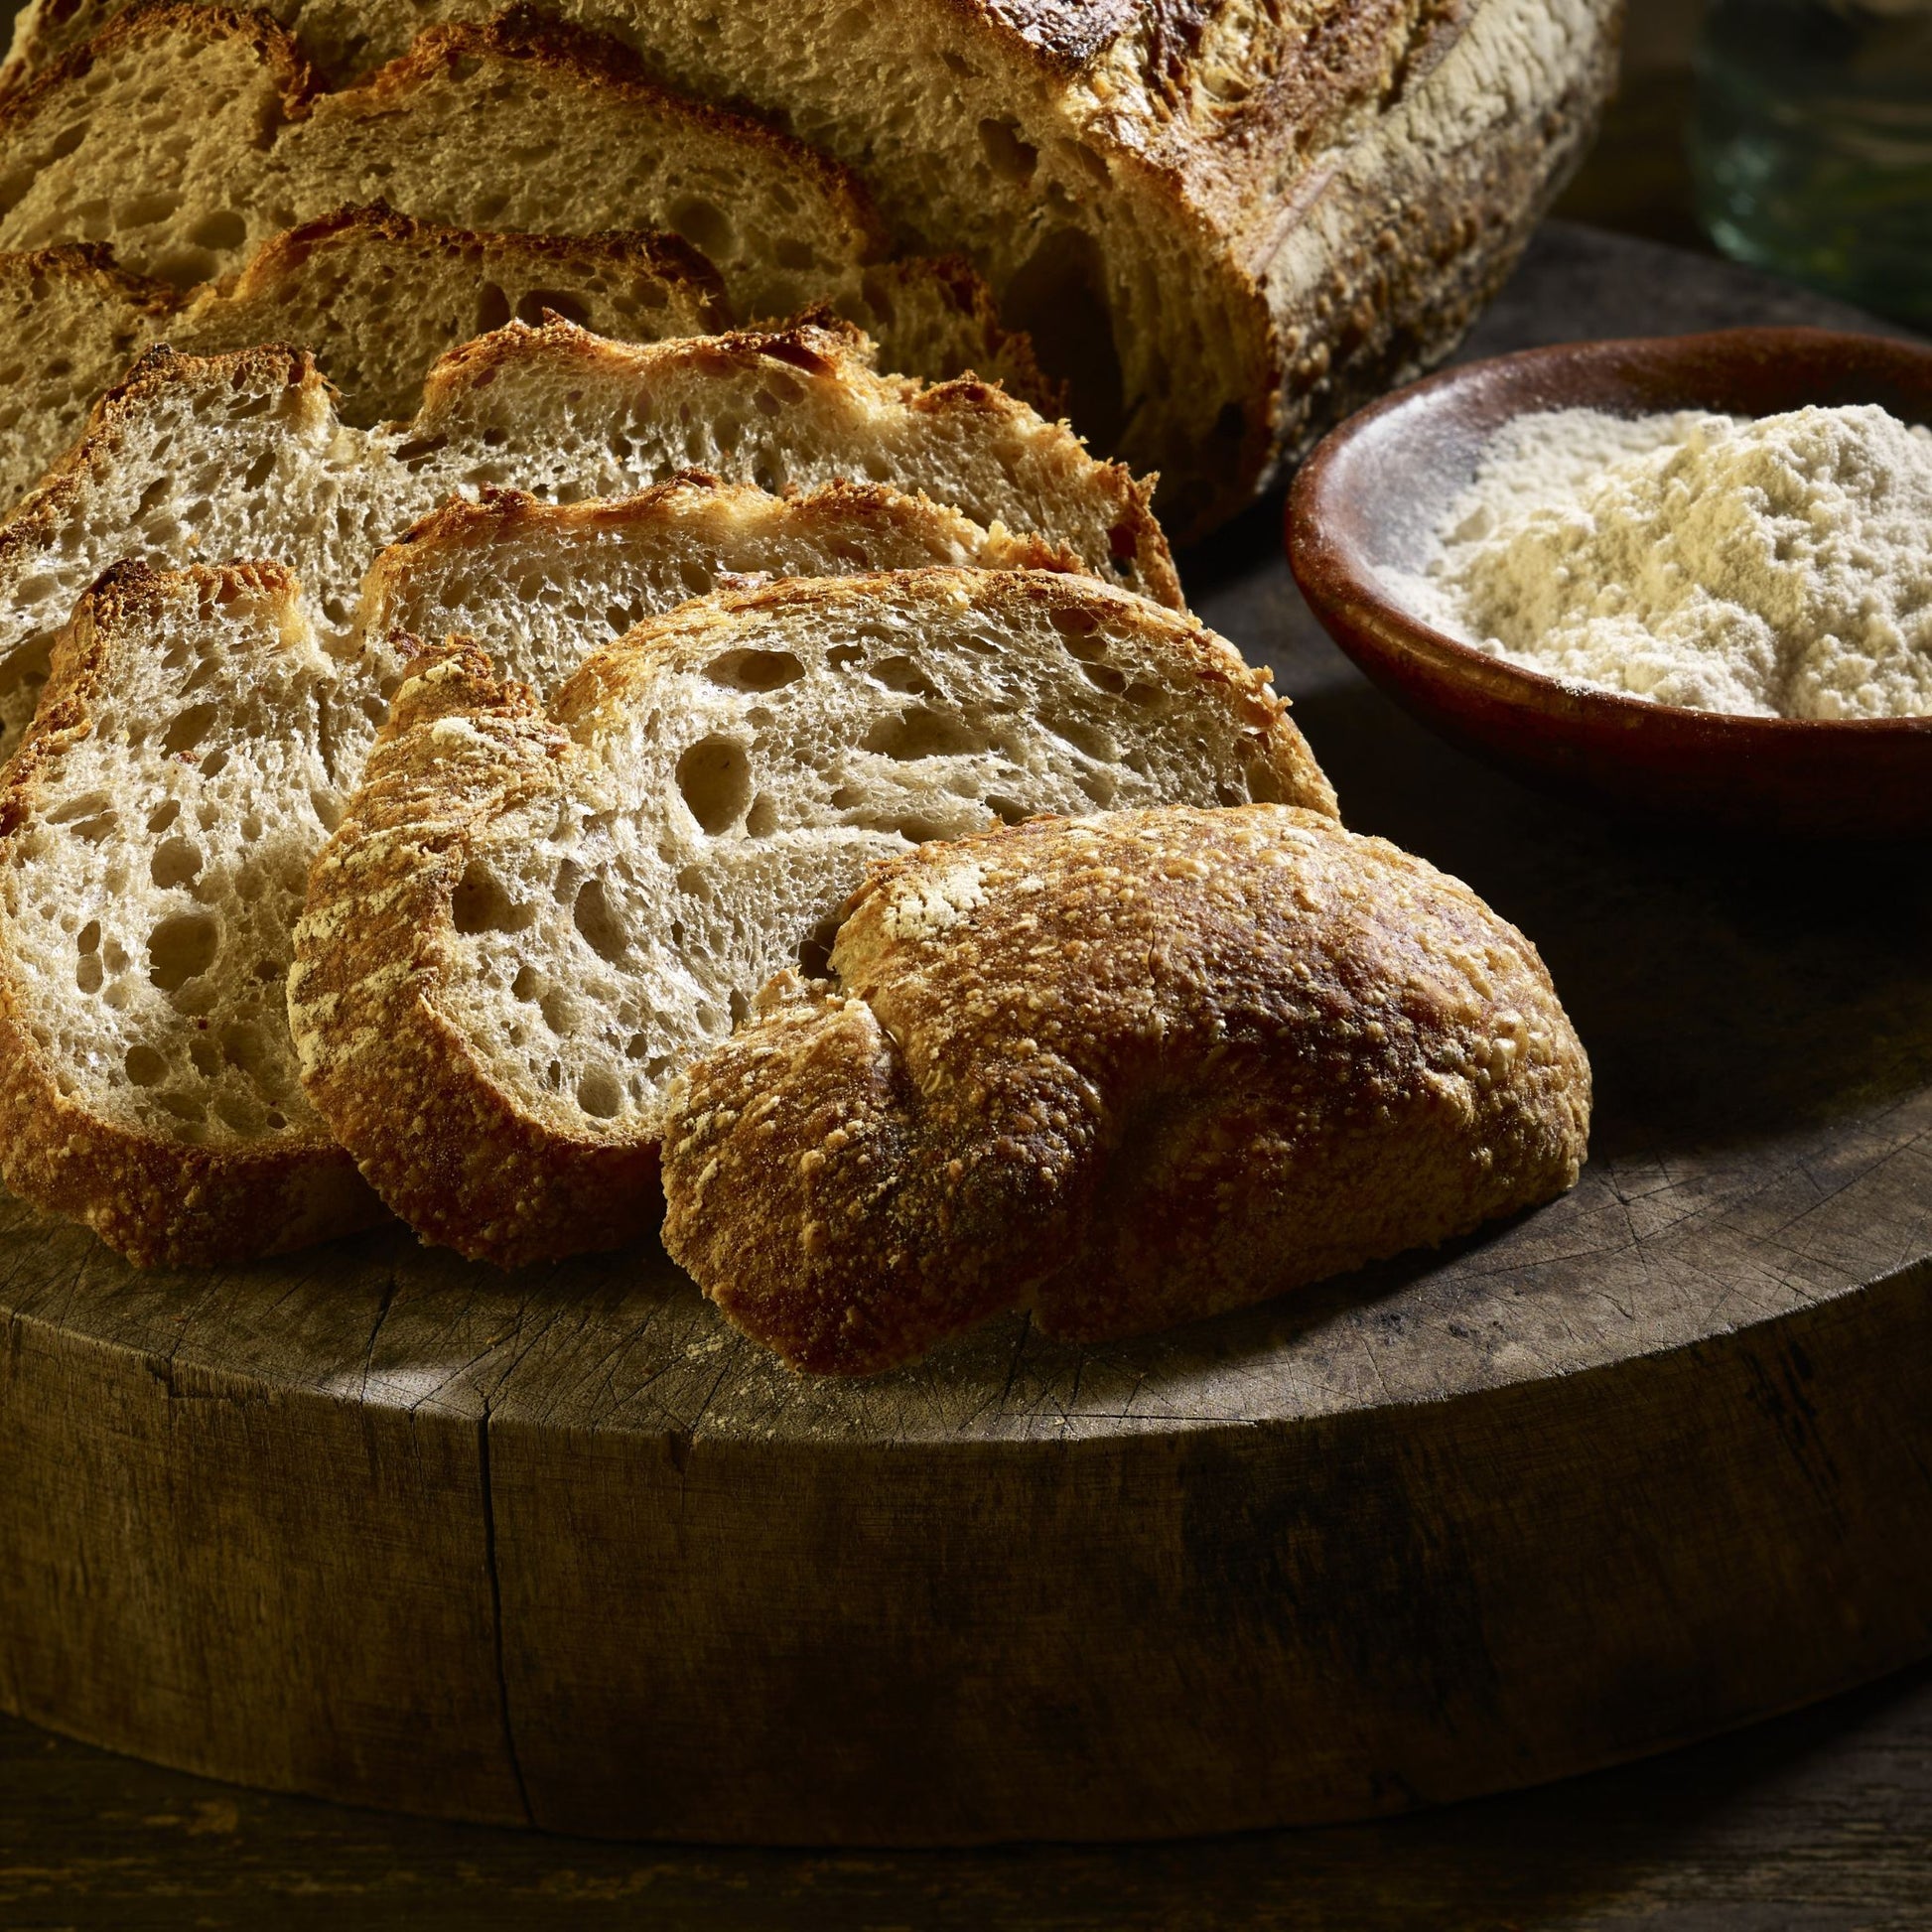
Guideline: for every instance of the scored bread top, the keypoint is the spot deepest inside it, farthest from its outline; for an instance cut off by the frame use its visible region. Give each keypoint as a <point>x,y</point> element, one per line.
<point>1125,1071</point>
<point>376,295</point>
<point>247,455</point>
<point>531,919</point>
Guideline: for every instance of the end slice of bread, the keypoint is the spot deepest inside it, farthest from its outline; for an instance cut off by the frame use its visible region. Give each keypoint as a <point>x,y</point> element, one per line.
<point>1126,1071</point>
<point>195,747</point>
<point>376,295</point>
<point>533,919</point>
<point>247,455</point>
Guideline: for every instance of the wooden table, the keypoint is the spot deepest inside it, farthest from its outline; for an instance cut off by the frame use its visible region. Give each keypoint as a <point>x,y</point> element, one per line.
<point>1630,1841</point>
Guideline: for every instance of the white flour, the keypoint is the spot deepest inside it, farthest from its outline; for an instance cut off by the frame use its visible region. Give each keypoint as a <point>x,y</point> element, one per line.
<point>1777,567</point>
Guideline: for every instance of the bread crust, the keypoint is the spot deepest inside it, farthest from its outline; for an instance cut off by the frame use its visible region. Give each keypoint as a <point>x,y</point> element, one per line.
<point>821,348</point>
<point>448,1147</point>
<point>436,1136</point>
<point>1126,1071</point>
<point>162,1203</point>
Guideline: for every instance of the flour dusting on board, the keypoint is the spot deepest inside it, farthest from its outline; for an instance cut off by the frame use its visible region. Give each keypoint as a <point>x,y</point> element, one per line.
<point>1778,567</point>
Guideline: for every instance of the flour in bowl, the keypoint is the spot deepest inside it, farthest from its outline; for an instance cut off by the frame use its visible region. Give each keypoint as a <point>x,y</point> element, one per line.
<point>1780,567</point>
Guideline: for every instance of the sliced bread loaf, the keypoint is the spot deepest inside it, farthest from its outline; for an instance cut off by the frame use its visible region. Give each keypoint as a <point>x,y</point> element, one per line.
<point>1125,1071</point>
<point>156,829</point>
<point>195,745</point>
<point>1222,221</point>
<point>245,455</point>
<point>376,295</point>
<point>532,918</point>
<point>186,136</point>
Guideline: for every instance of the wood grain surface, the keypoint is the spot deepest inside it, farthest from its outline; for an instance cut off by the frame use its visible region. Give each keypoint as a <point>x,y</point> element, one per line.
<point>560,1549</point>
<point>1821,1822</point>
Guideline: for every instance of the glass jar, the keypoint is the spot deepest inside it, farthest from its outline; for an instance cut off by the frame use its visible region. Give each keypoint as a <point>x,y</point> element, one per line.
<point>1813,144</point>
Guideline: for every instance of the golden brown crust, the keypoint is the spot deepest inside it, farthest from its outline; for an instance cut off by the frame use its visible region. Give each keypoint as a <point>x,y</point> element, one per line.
<point>821,349</point>
<point>1128,1071</point>
<point>295,78</point>
<point>436,1137</point>
<point>668,257</point>
<point>161,1202</point>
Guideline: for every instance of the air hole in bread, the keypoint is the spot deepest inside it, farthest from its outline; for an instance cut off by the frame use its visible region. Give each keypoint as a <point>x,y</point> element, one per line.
<point>715,778</point>
<point>598,1094</point>
<point>531,308</point>
<point>596,919</point>
<point>492,310</point>
<point>917,732</point>
<point>1011,158</point>
<point>1084,737</point>
<point>480,903</point>
<point>840,655</point>
<point>259,470</point>
<point>902,674</point>
<point>187,729</point>
<point>143,1067</point>
<point>181,949</point>
<point>176,863</point>
<point>705,225</point>
<point>91,817</point>
<point>214,764</point>
<point>762,819</point>
<point>224,228</point>
<point>755,670</point>
<point>815,949</point>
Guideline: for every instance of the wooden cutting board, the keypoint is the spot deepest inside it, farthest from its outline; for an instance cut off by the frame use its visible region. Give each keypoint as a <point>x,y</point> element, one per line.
<point>559,1548</point>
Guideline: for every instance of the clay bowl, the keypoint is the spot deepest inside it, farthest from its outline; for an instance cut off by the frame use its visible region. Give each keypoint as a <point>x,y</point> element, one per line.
<point>1371,494</point>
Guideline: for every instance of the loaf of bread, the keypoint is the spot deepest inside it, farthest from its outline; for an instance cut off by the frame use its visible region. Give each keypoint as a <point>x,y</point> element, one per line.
<point>531,919</point>
<point>246,456</point>
<point>376,295</point>
<point>195,747</point>
<point>185,137</point>
<point>1124,1071</point>
<point>1226,224</point>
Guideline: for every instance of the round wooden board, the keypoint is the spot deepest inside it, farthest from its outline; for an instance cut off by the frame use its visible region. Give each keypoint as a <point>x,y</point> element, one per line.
<point>559,1548</point>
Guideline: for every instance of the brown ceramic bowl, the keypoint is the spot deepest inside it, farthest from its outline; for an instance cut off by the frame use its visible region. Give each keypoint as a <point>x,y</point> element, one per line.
<point>1370,496</point>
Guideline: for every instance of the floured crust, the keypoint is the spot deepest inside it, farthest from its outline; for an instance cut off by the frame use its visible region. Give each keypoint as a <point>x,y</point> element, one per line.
<point>1127,1071</point>
<point>436,1136</point>
<point>162,1203</point>
<point>378,974</point>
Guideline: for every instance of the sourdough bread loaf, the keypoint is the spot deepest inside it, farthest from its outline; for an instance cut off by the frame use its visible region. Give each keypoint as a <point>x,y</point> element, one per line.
<point>1125,1072</point>
<point>534,917</point>
<point>187,136</point>
<point>376,295</point>
<point>1223,222</point>
<point>194,748</point>
<point>247,455</point>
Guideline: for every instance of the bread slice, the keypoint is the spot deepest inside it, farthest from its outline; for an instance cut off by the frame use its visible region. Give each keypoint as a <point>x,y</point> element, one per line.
<point>538,586</point>
<point>214,119</point>
<point>1125,1071</point>
<point>532,918</point>
<point>195,745</point>
<point>376,295</point>
<point>246,456</point>
<point>156,829</point>
<point>1222,221</point>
